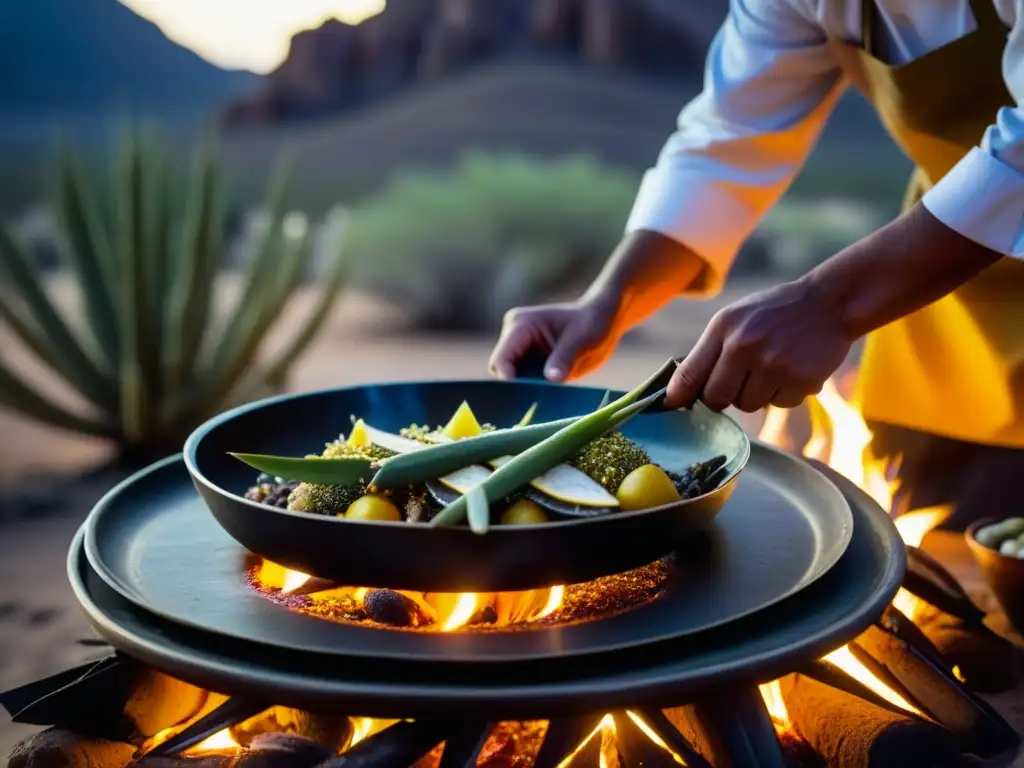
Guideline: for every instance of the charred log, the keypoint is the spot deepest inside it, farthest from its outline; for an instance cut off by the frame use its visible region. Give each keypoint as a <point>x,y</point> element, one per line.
<point>400,744</point>
<point>58,748</point>
<point>279,750</point>
<point>988,663</point>
<point>846,730</point>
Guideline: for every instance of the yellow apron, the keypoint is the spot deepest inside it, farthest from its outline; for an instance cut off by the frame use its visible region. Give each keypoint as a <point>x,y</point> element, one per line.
<point>956,367</point>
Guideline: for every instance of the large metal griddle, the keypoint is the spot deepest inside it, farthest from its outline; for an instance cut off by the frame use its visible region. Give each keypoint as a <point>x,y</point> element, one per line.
<point>761,646</point>
<point>399,555</point>
<point>153,541</point>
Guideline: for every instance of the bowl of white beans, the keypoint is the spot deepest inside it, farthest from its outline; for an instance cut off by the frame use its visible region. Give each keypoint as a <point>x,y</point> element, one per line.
<point>998,549</point>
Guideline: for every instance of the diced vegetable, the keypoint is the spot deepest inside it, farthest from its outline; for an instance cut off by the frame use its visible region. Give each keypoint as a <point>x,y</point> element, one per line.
<point>523,512</point>
<point>373,507</point>
<point>463,423</point>
<point>358,436</point>
<point>646,487</point>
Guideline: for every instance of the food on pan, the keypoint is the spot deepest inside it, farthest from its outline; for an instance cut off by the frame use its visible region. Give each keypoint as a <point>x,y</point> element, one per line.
<point>468,471</point>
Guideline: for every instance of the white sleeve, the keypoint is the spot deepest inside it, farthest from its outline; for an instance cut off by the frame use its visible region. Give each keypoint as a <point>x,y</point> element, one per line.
<point>982,197</point>
<point>770,83</point>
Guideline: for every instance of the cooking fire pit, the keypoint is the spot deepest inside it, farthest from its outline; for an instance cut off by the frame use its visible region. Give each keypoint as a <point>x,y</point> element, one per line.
<point>733,651</point>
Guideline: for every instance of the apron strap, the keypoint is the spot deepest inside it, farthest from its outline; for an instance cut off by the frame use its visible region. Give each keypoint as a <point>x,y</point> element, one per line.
<point>868,22</point>
<point>984,12</point>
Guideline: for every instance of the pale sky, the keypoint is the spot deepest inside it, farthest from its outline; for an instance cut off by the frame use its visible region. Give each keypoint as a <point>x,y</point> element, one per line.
<point>246,34</point>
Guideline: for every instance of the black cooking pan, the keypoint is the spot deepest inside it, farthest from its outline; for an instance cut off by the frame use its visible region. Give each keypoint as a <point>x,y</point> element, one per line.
<point>415,556</point>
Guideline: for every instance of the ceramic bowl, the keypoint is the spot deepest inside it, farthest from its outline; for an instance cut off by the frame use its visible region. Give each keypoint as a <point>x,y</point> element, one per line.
<point>1003,573</point>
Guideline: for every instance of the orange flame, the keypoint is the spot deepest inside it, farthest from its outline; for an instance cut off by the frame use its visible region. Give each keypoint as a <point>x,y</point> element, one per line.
<point>841,438</point>
<point>446,612</point>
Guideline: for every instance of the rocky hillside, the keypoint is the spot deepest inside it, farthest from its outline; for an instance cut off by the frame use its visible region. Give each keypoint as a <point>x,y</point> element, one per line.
<point>73,58</point>
<point>417,42</point>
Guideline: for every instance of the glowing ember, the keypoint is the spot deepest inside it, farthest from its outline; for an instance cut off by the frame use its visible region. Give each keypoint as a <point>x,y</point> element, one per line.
<point>607,730</point>
<point>222,741</point>
<point>846,661</point>
<point>450,612</point>
<point>773,702</point>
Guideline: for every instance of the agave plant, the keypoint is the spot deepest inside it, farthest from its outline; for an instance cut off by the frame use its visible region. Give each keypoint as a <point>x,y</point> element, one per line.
<point>150,356</point>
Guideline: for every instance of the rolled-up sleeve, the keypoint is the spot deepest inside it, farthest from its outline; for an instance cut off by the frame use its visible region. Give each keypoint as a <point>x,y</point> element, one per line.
<point>982,197</point>
<point>770,83</point>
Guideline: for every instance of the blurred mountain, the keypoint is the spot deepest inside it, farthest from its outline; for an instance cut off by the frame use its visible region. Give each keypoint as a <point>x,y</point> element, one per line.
<point>415,42</point>
<point>81,58</point>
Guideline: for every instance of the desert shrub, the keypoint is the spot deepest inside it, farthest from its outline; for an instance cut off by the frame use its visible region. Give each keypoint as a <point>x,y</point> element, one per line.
<point>456,249</point>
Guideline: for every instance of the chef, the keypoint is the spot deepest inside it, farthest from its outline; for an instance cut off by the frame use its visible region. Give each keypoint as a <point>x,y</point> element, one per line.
<point>938,292</point>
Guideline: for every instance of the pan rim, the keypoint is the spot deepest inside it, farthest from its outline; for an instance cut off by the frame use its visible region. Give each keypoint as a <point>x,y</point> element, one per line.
<point>117,583</point>
<point>196,437</point>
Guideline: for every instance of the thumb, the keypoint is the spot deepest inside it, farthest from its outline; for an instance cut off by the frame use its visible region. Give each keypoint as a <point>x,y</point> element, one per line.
<point>693,372</point>
<point>566,350</point>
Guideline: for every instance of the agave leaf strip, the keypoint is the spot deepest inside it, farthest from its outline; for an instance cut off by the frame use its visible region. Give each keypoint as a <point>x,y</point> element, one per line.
<point>321,470</point>
<point>479,510</point>
<point>73,363</point>
<point>436,460</point>
<point>87,250</point>
<point>543,456</point>
<point>21,397</point>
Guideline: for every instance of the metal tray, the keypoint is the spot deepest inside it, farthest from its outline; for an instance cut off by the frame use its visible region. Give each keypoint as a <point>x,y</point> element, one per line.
<point>761,647</point>
<point>154,542</point>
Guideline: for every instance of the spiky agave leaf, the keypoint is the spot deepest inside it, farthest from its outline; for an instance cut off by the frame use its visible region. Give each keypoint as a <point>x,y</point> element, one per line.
<point>88,252</point>
<point>277,369</point>
<point>193,271</point>
<point>66,353</point>
<point>137,343</point>
<point>236,357</point>
<point>19,396</point>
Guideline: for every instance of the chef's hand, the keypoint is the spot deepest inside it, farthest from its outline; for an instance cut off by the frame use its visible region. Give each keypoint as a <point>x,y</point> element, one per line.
<point>575,338</point>
<point>774,347</point>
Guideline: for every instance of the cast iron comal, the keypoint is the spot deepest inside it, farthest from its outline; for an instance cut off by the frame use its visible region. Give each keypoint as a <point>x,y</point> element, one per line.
<point>416,556</point>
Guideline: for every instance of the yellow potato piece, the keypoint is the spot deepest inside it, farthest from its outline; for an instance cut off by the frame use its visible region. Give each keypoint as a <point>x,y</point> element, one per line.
<point>523,512</point>
<point>645,487</point>
<point>463,423</point>
<point>373,507</point>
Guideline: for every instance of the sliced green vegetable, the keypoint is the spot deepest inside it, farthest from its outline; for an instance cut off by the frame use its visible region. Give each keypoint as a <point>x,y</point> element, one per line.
<point>316,469</point>
<point>479,509</point>
<point>605,400</point>
<point>528,416</point>
<point>543,456</point>
<point>427,462</point>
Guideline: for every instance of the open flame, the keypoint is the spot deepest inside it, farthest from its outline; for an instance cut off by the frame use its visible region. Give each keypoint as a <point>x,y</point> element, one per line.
<point>445,612</point>
<point>840,438</point>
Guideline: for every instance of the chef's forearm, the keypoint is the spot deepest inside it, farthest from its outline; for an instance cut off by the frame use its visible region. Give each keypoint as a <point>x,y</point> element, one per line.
<point>644,273</point>
<point>897,270</point>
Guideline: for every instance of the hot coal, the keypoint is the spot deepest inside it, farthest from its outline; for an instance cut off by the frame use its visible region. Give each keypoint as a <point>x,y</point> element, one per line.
<point>847,731</point>
<point>332,731</point>
<point>280,750</point>
<point>393,608</point>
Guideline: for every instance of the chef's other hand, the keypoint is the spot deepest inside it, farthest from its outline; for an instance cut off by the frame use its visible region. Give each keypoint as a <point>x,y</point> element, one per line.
<point>575,338</point>
<point>774,347</point>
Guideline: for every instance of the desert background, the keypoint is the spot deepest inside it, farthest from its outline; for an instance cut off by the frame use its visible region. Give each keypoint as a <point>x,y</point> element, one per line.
<point>460,156</point>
